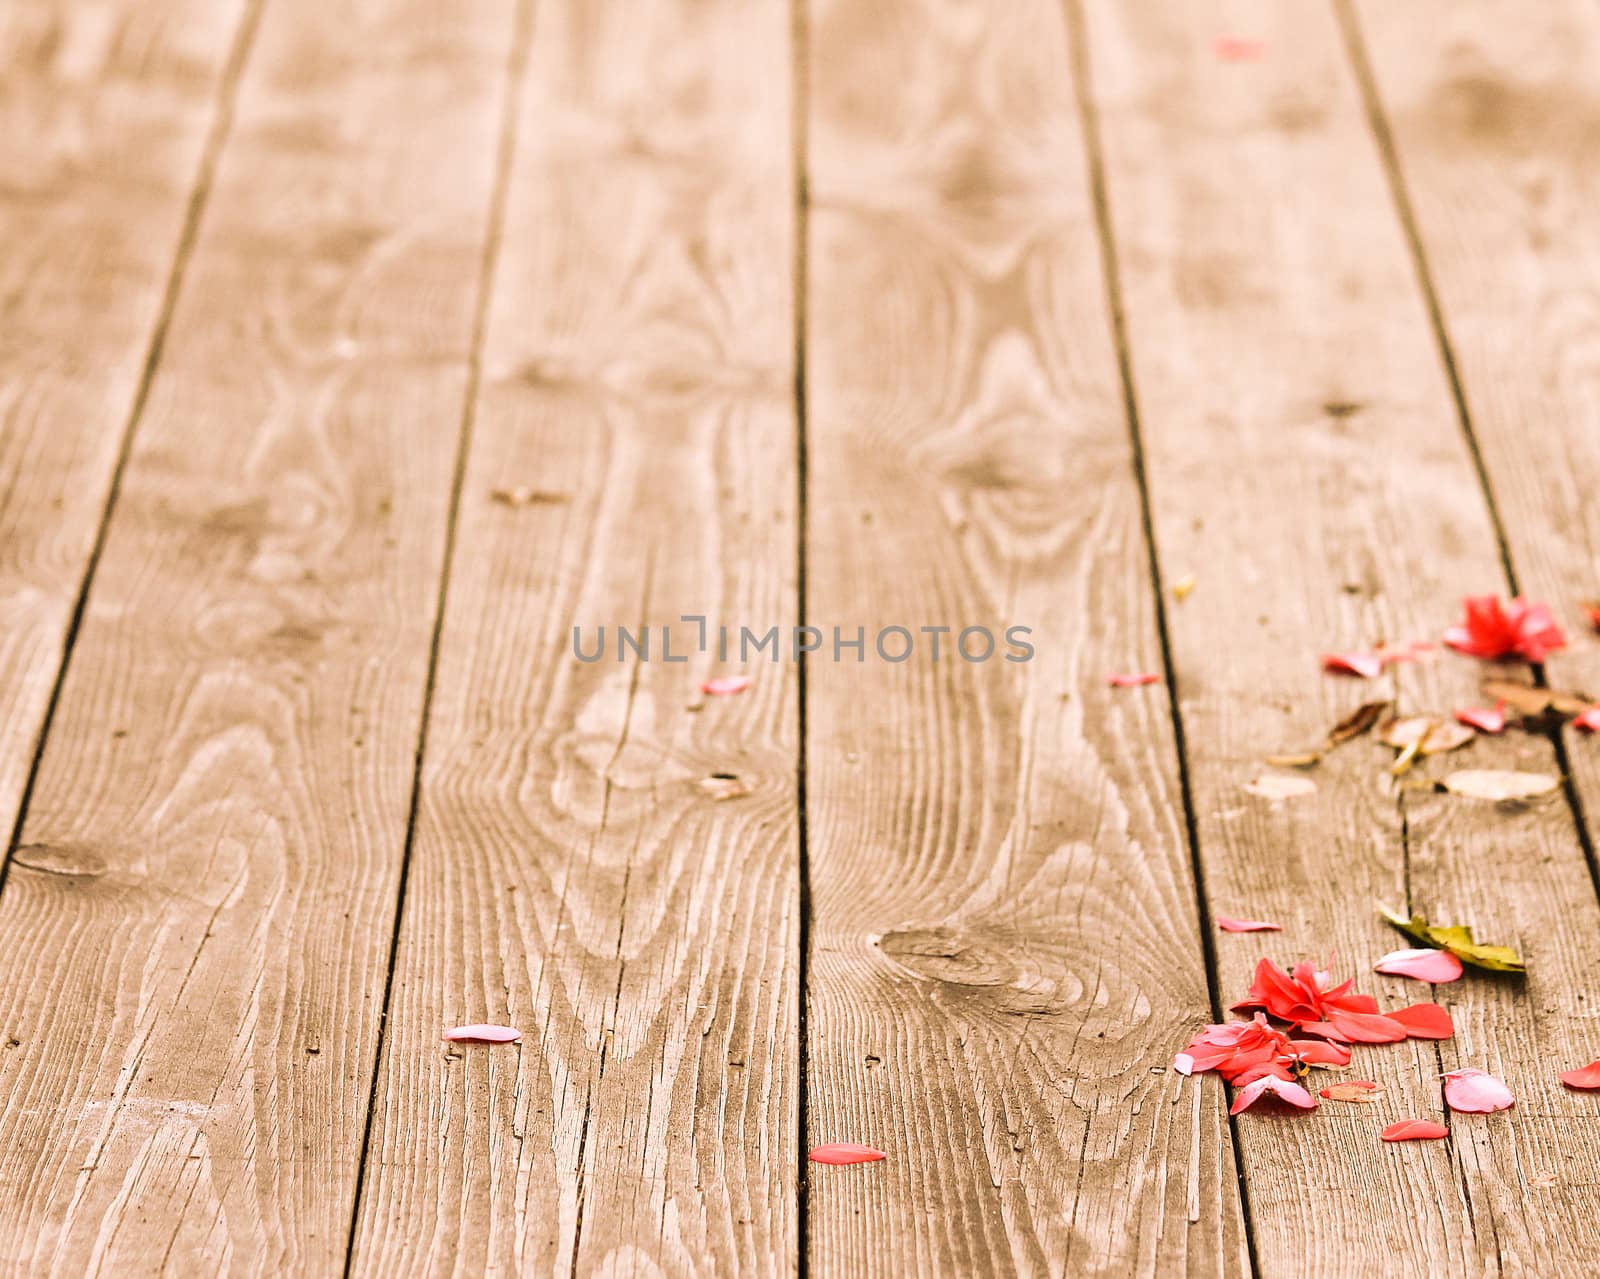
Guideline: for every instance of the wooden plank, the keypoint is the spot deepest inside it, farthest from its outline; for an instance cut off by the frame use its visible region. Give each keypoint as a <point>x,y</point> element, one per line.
<point>1304,460</point>
<point>198,921</point>
<point>1005,941</point>
<point>105,112</point>
<point>1493,115</point>
<point>571,876</point>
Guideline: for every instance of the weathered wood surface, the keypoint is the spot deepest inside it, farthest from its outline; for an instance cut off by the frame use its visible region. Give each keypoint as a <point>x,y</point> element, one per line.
<point>1305,461</point>
<point>1492,115</point>
<point>197,923</point>
<point>1005,936</point>
<point>105,114</point>
<point>572,877</point>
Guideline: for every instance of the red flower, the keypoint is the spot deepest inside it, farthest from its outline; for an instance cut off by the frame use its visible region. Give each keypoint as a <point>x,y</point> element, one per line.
<point>1304,999</point>
<point>1244,1051</point>
<point>1494,628</point>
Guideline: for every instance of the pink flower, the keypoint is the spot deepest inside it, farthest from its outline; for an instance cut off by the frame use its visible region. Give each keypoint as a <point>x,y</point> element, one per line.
<point>1304,999</point>
<point>1476,1092</point>
<point>1241,1051</point>
<point>1496,628</point>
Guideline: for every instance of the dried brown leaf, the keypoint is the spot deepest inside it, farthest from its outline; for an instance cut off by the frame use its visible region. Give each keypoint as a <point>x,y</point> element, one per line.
<point>1499,784</point>
<point>1357,722</point>
<point>1355,1090</point>
<point>1531,701</point>
<point>1275,786</point>
<point>1302,759</point>
<point>522,495</point>
<point>1426,733</point>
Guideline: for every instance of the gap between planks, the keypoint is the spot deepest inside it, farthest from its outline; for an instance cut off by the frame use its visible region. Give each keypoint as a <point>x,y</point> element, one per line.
<point>1083,88</point>
<point>515,72</point>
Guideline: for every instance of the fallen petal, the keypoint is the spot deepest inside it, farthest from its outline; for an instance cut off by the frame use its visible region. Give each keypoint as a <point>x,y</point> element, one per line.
<point>722,685</point>
<point>1283,1089</point>
<point>1239,48</point>
<point>1424,1021</point>
<point>845,1152</point>
<point>1425,964</point>
<point>481,1034</point>
<point>1183,1064</point>
<point>1589,721</point>
<point>1415,1130</point>
<point>1353,1090</point>
<point>1366,665</point>
<point>1366,1028</point>
<point>1587,1077</point>
<point>1476,1092</point>
<point>1485,721</point>
<point>1133,679</point>
<point>1247,925</point>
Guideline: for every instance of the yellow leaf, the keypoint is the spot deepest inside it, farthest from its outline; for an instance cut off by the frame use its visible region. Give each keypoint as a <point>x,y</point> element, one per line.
<point>1458,940</point>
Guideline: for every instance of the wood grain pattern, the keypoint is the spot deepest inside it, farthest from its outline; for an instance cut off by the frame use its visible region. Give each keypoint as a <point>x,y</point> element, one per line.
<point>197,923</point>
<point>1005,947</point>
<point>571,876</point>
<point>105,114</point>
<point>1305,461</point>
<point>1493,119</point>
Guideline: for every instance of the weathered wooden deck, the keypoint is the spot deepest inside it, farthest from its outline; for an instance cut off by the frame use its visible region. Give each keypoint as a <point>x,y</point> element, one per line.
<point>845,313</point>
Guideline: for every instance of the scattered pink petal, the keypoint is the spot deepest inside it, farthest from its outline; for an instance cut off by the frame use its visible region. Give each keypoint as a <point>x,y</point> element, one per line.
<point>1366,665</point>
<point>1495,628</point>
<point>845,1152</point>
<point>722,685</point>
<point>1133,680</point>
<point>1247,925</point>
<point>1283,1089</point>
<point>1240,48</point>
<point>1361,1028</point>
<point>482,1034</point>
<point>1587,1077</point>
<point>1476,1092</point>
<point>1589,721</point>
<point>1413,651</point>
<point>1425,964</point>
<point>1183,1063</point>
<point>1484,721</point>
<point>1415,1130</point>
<point>1424,1021</point>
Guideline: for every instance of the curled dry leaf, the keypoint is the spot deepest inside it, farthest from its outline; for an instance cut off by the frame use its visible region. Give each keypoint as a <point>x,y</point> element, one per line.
<point>1458,940</point>
<point>1357,722</point>
<point>1415,1130</point>
<point>1133,679</point>
<point>522,495</point>
<point>1476,1092</point>
<point>723,685</point>
<point>724,786</point>
<point>845,1152</point>
<point>1362,1090</point>
<point>1247,925</point>
<point>1588,1077</point>
<point>480,1033</point>
<point>1429,735</point>
<point>1305,759</point>
<point>1485,721</point>
<point>1275,786</point>
<point>1433,966</point>
<point>1499,784</point>
<point>1525,699</point>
